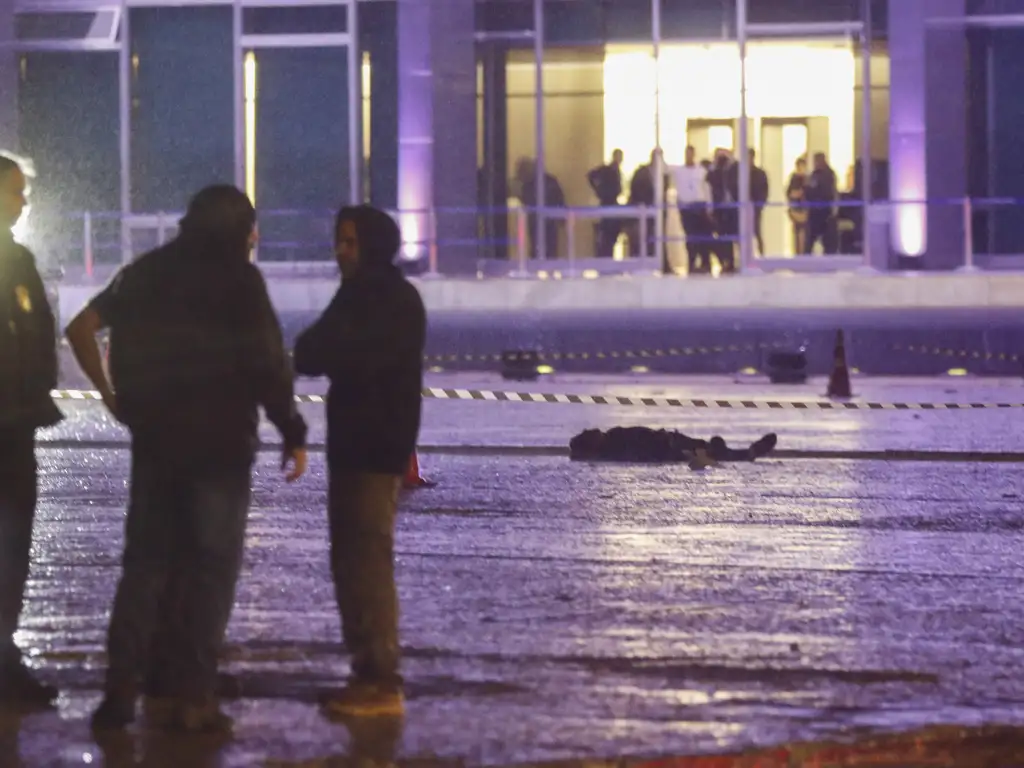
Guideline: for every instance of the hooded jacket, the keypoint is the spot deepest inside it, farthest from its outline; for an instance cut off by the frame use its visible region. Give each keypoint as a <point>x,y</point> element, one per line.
<point>195,349</point>
<point>28,343</point>
<point>369,343</point>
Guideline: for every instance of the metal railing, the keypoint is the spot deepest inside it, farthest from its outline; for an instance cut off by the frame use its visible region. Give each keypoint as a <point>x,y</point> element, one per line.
<point>985,231</point>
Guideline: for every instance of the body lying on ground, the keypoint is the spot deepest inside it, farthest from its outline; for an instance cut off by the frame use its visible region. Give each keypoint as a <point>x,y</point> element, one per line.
<point>647,445</point>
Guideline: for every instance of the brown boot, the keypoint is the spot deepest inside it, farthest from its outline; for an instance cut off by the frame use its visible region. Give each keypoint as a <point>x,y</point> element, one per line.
<point>203,716</point>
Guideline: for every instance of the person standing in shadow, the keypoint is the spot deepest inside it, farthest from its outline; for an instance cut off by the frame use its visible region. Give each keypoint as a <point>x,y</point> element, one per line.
<point>554,197</point>
<point>821,192</point>
<point>723,179</point>
<point>28,372</point>
<point>759,192</point>
<point>369,344</point>
<point>642,192</point>
<point>796,195</point>
<point>606,183</point>
<point>195,352</point>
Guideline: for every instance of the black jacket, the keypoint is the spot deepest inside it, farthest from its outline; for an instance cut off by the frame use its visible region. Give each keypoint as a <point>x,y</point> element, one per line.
<point>821,187</point>
<point>195,348</point>
<point>369,343</point>
<point>724,182</point>
<point>641,186</point>
<point>759,186</point>
<point>606,182</point>
<point>28,343</point>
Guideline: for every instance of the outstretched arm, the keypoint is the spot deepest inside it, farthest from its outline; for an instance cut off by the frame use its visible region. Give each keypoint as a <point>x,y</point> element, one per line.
<point>314,352</point>
<point>81,334</point>
<point>392,333</point>
<point>272,370</point>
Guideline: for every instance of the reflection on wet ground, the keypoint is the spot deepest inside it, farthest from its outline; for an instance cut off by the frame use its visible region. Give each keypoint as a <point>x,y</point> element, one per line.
<point>556,611</point>
<point>927,747</point>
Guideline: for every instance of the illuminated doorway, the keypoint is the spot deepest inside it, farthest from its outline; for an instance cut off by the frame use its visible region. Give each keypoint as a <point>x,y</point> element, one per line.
<point>783,142</point>
<point>796,80</point>
<point>706,136</point>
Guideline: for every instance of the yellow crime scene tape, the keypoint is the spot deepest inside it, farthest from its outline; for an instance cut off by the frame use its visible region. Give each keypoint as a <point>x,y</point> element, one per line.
<point>492,396</point>
<point>959,354</point>
<point>624,354</point>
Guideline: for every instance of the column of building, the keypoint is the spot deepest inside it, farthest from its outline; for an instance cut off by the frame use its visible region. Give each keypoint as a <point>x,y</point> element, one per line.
<point>927,145</point>
<point>437,152</point>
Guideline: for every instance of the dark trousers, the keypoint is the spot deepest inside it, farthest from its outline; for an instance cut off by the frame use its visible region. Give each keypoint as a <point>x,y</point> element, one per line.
<point>550,237</point>
<point>700,238</point>
<point>727,221</point>
<point>166,666</point>
<point>361,508</point>
<point>758,237</point>
<point>184,537</point>
<point>820,226</point>
<point>608,231</point>
<point>18,490</point>
<point>633,233</point>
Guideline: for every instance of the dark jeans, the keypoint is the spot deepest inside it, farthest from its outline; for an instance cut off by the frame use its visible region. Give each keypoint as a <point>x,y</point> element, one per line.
<point>727,224</point>
<point>17,513</point>
<point>608,231</point>
<point>700,237</point>
<point>184,538</point>
<point>633,232</point>
<point>550,237</point>
<point>758,236</point>
<point>166,667</point>
<point>361,515</point>
<point>821,226</point>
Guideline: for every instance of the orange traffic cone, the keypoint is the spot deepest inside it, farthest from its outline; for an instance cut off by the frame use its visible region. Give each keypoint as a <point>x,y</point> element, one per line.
<point>839,382</point>
<point>412,478</point>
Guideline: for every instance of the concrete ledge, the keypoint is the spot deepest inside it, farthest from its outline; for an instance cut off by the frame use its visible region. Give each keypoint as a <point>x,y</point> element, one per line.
<point>774,291</point>
<point>835,291</point>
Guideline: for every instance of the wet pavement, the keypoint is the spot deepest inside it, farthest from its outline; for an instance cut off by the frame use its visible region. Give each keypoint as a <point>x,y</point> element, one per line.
<point>556,611</point>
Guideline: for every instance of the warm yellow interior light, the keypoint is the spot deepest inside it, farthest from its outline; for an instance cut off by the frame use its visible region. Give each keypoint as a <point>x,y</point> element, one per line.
<point>795,81</point>
<point>250,126</point>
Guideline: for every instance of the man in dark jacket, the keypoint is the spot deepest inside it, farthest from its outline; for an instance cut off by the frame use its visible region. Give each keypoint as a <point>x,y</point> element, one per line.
<point>554,197</point>
<point>369,343</point>
<point>642,191</point>
<point>723,179</point>
<point>759,191</point>
<point>195,348</point>
<point>28,371</point>
<point>606,183</point>
<point>821,192</point>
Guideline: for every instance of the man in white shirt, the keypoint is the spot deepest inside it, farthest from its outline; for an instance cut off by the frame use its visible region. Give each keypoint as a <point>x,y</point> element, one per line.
<point>693,197</point>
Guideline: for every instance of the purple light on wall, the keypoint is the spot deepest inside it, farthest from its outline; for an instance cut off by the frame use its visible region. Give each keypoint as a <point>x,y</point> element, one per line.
<point>908,179</point>
<point>415,125</point>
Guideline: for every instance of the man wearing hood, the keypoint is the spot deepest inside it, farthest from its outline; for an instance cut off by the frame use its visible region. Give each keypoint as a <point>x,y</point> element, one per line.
<point>28,371</point>
<point>195,349</point>
<point>369,343</point>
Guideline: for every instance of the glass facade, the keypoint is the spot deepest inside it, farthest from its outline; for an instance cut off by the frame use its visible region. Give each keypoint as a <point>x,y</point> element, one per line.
<point>309,107</point>
<point>803,96</point>
<point>68,124</point>
<point>181,111</point>
<point>301,162</point>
